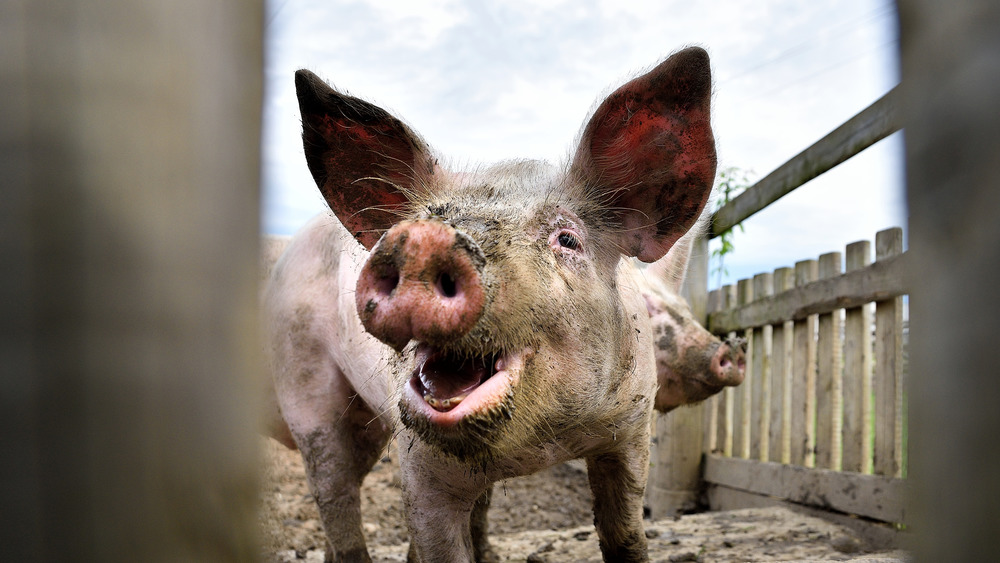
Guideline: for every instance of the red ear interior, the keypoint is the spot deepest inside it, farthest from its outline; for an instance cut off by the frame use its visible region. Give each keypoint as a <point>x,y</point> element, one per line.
<point>365,161</point>
<point>650,153</point>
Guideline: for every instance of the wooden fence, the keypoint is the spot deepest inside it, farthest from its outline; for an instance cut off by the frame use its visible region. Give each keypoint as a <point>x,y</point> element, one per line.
<point>818,424</point>
<point>823,387</point>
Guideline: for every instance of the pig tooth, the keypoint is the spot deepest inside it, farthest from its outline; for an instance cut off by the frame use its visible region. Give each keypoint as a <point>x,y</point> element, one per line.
<point>500,365</point>
<point>430,400</point>
<point>453,402</point>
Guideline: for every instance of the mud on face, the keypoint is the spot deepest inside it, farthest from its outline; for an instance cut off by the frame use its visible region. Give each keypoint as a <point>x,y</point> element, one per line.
<point>551,296</point>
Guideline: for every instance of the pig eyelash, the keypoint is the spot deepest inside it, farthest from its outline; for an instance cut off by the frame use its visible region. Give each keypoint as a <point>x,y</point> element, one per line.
<point>566,239</point>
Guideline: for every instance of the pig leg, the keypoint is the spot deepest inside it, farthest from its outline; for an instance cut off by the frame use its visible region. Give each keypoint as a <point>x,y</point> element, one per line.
<point>617,480</point>
<point>480,529</point>
<point>337,457</point>
<point>438,497</point>
<point>480,532</point>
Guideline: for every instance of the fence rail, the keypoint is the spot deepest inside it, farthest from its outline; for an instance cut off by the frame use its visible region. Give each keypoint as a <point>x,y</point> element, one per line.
<point>873,124</point>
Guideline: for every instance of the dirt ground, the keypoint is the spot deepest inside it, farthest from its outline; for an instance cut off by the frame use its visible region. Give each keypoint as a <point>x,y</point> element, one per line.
<point>547,517</point>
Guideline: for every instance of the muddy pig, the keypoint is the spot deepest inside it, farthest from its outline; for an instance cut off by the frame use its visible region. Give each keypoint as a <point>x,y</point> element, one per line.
<point>485,318</point>
<point>691,363</point>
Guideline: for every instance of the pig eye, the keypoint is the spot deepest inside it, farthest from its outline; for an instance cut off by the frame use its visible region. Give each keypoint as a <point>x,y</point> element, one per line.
<point>568,240</point>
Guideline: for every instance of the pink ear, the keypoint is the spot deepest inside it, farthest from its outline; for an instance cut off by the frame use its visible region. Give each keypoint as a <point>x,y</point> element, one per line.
<point>365,161</point>
<point>648,153</point>
<point>672,268</point>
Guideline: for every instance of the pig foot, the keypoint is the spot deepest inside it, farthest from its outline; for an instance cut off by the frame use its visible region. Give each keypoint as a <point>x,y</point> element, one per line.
<point>480,529</point>
<point>351,556</point>
<point>617,480</point>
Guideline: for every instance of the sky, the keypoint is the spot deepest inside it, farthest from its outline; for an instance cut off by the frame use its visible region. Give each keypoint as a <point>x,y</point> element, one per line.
<point>488,81</point>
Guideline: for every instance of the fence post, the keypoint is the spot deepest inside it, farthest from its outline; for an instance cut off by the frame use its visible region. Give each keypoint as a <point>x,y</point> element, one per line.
<point>676,473</point>
<point>128,237</point>
<point>952,82</point>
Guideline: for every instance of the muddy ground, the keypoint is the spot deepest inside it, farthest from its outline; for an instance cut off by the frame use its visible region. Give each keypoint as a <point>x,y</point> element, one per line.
<point>547,517</point>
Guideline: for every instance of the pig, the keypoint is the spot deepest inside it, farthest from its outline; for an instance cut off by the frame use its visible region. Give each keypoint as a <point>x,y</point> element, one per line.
<point>691,363</point>
<point>491,320</point>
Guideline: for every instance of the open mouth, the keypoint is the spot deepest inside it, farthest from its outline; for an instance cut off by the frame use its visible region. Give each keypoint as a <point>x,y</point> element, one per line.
<point>446,387</point>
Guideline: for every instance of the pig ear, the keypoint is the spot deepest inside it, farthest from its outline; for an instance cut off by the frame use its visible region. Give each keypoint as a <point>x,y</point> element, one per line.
<point>365,161</point>
<point>672,268</point>
<point>648,154</point>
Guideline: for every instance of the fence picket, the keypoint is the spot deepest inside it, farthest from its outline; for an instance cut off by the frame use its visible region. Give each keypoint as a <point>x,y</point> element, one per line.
<point>760,414</point>
<point>711,424</point>
<point>888,368</point>
<point>781,376</point>
<point>829,363</point>
<point>744,393</point>
<point>727,407</point>
<point>857,373</point>
<point>804,384</point>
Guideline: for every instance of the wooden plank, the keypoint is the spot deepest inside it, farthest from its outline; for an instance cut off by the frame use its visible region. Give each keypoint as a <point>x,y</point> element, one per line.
<point>710,423</point>
<point>888,367</point>
<point>880,281</point>
<point>877,536</point>
<point>763,286</point>
<point>829,392</point>
<point>803,413</point>
<point>675,473</point>
<point>872,496</point>
<point>871,125</point>
<point>857,436</point>
<point>741,415</point>
<point>729,395</point>
<point>781,377</point>
<point>710,443</point>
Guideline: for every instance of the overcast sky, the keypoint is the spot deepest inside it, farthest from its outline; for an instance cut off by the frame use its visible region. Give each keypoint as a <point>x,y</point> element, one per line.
<point>485,81</point>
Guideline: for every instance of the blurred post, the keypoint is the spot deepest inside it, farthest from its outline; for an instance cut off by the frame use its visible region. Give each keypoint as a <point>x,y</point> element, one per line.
<point>674,479</point>
<point>128,244</point>
<point>951,76</point>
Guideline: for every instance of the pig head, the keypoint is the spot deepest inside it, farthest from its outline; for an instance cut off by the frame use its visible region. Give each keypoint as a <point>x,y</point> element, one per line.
<point>692,364</point>
<point>486,317</point>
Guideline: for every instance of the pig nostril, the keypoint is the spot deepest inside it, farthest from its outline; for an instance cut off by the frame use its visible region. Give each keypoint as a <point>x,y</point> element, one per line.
<point>387,282</point>
<point>447,285</point>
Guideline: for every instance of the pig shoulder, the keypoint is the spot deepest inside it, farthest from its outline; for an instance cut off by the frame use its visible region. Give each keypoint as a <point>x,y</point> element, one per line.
<point>312,327</point>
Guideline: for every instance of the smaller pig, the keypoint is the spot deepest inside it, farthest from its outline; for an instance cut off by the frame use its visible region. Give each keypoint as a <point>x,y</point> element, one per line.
<point>692,364</point>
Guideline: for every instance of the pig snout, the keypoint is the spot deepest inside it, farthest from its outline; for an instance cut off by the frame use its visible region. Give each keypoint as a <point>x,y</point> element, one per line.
<point>422,282</point>
<point>729,362</point>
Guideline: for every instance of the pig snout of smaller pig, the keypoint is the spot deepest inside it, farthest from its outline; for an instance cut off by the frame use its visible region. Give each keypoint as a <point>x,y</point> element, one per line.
<point>692,364</point>
<point>729,362</point>
<point>422,282</point>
